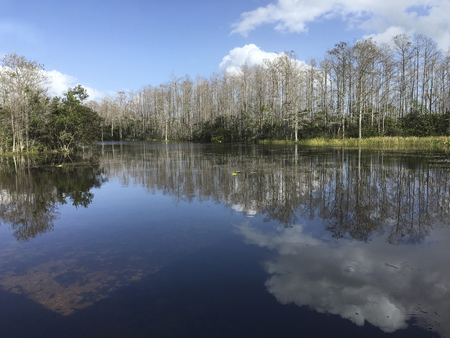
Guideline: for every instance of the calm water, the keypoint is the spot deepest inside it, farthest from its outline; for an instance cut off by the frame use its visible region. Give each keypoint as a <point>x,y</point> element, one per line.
<point>168,240</point>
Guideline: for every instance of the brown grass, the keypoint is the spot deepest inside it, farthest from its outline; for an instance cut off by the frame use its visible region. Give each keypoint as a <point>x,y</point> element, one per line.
<point>438,142</point>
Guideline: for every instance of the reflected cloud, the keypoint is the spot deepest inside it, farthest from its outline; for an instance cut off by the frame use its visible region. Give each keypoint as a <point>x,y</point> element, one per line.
<point>249,212</point>
<point>385,285</point>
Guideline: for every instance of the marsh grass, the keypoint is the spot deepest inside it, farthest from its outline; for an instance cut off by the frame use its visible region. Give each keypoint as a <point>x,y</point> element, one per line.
<point>437,142</point>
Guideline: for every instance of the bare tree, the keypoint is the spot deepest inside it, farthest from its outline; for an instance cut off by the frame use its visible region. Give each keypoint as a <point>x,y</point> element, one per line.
<point>365,56</point>
<point>341,57</point>
<point>20,81</point>
<point>404,52</point>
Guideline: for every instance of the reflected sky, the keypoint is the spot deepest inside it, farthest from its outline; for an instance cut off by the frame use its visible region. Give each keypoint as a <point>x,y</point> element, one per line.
<point>353,235</point>
<point>382,284</point>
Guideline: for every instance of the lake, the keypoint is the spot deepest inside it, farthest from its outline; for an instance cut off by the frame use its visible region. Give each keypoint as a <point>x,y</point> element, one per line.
<point>149,239</point>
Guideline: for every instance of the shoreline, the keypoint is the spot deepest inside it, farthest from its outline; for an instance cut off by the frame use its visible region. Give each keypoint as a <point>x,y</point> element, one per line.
<point>410,142</point>
<point>436,142</point>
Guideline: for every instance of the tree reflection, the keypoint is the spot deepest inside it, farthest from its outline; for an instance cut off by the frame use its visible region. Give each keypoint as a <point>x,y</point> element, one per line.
<point>32,190</point>
<point>355,193</point>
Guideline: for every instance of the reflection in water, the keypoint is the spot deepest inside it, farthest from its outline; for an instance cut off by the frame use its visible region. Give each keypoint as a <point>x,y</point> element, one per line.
<point>375,252</point>
<point>356,194</point>
<point>383,284</point>
<point>32,190</point>
<point>377,198</point>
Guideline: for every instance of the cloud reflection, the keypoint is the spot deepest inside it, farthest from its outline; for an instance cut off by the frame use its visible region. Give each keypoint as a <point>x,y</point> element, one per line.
<point>383,284</point>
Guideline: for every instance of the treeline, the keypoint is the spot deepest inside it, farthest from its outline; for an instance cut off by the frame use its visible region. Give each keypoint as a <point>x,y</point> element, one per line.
<point>362,89</point>
<point>32,120</point>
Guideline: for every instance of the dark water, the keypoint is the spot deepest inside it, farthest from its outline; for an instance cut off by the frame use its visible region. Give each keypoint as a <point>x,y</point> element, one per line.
<point>163,240</point>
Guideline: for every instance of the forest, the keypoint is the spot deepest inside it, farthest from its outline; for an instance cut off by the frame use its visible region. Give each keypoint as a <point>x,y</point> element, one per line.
<point>357,90</point>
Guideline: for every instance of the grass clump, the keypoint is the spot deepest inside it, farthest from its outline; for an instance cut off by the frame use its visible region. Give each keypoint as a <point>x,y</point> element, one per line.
<point>439,142</point>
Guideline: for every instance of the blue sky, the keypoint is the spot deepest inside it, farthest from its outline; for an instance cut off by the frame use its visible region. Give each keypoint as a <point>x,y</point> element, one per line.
<point>110,46</point>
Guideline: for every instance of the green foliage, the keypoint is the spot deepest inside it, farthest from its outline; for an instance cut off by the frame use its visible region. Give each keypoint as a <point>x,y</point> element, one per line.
<point>221,135</point>
<point>203,133</point>
<point>370,131</point>
<point>224,129</point>
<point>72,124</point>
<point>391,127</point>
<point>55,124</point>
<point>417,124</point>
<point>272,130</point>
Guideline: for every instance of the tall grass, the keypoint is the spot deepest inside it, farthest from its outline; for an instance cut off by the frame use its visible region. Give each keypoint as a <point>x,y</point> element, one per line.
<point>438,142</point>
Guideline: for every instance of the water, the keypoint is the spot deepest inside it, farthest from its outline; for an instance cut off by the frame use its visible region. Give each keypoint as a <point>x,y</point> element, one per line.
<point>189,240</point>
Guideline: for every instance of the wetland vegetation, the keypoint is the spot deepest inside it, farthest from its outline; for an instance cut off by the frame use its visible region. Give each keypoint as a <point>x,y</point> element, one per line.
<point>360,90</point>
<point>357,90</point>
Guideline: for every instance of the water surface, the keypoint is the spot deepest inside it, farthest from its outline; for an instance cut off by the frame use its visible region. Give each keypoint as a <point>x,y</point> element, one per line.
<point>177,240</point>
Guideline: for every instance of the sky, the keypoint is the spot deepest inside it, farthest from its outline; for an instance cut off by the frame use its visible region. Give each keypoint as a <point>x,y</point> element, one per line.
<point>111,46</point>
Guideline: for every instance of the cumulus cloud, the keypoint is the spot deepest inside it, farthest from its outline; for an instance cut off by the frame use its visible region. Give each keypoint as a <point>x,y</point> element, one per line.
<point>388,34</point>
<point>59,83</point>
<point>249,54</point>
<point>429,17</point>
<point>382,284</point>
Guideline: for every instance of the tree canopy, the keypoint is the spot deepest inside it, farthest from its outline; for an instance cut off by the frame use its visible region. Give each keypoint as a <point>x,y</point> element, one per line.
<point>30,119</point>
<point>360,89</point>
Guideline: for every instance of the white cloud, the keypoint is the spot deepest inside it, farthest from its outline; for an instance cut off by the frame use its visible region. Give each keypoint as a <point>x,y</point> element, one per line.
<point>60,83</point>
<point>94,94</point>
<point>386,36</point>
<point>429,17</point>
<point>249,54</point>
